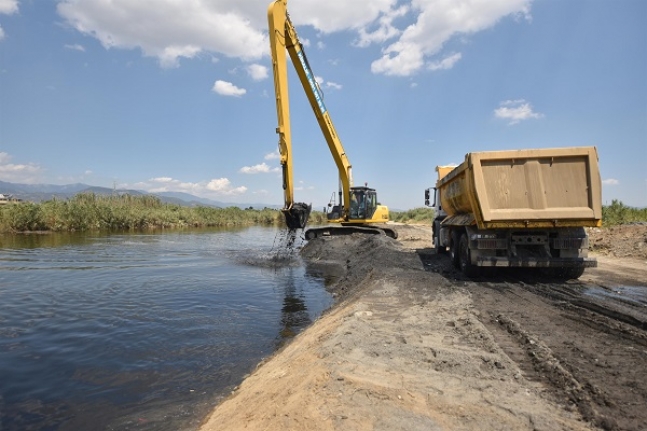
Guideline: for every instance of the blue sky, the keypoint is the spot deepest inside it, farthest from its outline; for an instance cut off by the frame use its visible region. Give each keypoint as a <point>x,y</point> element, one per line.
<point>167,95</point>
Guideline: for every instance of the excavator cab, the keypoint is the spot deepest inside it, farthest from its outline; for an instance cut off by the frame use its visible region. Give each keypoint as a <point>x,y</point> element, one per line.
<point>363,202</point>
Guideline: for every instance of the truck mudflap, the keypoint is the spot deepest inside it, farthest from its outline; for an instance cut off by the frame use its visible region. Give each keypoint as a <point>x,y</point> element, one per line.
<point>327,231</point>
<point>576,262</point>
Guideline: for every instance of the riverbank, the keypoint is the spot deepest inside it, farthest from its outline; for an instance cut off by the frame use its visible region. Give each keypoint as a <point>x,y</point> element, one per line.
<point>407,347</point>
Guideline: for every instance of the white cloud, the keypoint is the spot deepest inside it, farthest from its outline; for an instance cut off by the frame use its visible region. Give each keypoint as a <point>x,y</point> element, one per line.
<point>273,156</point>
<point>163,180</point>
<point>610,182</point>
<point>385,29</point>
<point>328,84</point>
<point>223,186</point>
<point>445,63</point>
<point>225,88</point>
<point>212,188</point>
<point>170,55</point>
<point>17,172</point>
<point>438,21</point>
<point>171,29</point>
<point>262,168</point>
<point>416,30</point>
<point>516,111</point>
<point>8,7</point>
<point>257,72</point>
<point>75,47</point>
<point>408,58</point>
<point>338,15</point>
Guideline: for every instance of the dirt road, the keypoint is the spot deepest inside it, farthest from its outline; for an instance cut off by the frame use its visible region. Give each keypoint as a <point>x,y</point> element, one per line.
<point>413,345</point>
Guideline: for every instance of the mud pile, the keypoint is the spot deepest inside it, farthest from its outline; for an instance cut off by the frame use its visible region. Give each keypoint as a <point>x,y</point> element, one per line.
<point>357,259</point>
<point>622,241</point>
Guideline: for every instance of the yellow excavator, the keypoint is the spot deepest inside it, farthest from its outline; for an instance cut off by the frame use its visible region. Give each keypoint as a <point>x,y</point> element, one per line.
<point>358,207</point>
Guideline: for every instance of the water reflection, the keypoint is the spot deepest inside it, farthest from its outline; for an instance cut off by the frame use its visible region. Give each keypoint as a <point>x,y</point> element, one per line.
<point>40,240</point>
<point>140,331</point>
<point>294,314</point>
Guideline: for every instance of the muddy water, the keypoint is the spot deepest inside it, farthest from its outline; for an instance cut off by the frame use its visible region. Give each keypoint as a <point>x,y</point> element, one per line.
<point>141,331</point>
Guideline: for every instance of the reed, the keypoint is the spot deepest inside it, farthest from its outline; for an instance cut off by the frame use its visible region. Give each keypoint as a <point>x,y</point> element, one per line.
<point>618,213</point>
<point>91,212</point>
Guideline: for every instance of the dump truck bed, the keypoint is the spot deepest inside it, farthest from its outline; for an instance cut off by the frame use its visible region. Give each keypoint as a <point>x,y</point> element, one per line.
<point>525,188</point>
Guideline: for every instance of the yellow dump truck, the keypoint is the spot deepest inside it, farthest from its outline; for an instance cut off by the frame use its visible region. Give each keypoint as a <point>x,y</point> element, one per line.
<point>520,208</point>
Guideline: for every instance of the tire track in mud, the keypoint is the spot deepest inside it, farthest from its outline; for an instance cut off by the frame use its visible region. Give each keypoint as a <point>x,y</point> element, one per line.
<point>551,368</point>
<point>584,342</point>
<point>591,355</point>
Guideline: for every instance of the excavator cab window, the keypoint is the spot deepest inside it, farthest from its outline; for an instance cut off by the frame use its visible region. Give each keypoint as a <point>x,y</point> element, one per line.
<point>363,202</point>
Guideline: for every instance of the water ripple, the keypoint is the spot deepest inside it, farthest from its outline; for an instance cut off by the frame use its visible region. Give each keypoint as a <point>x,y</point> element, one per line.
<point>123,328</point>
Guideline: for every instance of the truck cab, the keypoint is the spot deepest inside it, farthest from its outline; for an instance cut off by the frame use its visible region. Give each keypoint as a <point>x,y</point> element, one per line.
<point>439,214</point>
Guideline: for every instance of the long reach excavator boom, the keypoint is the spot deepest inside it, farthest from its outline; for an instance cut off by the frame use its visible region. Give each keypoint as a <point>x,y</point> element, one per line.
<point>358,205</point>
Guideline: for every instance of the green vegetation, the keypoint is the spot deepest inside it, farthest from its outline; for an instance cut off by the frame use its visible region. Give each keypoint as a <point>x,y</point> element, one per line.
<point>615,214</point>
<point>618,213</point>
<point>90,212</point>
<point>416,215</point>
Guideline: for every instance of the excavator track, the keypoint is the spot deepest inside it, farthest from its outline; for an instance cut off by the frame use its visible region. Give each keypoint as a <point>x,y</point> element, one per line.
<point>325,231</point>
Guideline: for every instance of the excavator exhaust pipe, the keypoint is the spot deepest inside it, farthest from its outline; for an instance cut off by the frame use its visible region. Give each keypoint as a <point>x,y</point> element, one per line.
<point>297,215</point>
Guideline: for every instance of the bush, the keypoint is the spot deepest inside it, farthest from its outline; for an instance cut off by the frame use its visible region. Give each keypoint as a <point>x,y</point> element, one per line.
<point>25,216</point>
<point>417,215</point>
<point>618,213</point>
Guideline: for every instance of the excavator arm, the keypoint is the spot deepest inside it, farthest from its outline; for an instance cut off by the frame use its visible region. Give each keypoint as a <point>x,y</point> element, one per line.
<point>283,38</point>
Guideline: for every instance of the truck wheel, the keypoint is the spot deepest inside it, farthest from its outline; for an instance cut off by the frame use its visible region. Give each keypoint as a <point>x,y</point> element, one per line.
<point>564,274</point>
<point>440,249</point>
<point>572,273</point>
<point>466,266</point>
<point>454,252</point>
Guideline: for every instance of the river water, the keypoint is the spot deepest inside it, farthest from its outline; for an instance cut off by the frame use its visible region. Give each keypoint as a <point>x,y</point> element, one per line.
<point>141,331</point>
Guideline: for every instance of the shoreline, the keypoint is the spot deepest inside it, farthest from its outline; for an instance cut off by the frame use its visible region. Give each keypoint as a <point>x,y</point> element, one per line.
<point>402,348</point>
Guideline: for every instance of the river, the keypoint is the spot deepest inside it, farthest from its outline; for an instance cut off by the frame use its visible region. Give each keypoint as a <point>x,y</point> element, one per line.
<point>141,331</point>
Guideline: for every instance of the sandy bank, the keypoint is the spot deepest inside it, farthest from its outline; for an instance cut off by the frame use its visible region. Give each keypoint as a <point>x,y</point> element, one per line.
<point>404,349</point>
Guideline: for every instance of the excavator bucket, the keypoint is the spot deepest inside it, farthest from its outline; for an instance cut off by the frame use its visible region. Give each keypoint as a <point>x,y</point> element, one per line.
<point>296,217</point>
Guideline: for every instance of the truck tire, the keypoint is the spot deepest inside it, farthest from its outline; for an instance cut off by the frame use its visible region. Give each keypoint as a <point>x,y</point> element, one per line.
<point>440,249</point>
<point>564,274</point>
<point>466,266</point>
<point>572,273</point>
<point>454,252</point>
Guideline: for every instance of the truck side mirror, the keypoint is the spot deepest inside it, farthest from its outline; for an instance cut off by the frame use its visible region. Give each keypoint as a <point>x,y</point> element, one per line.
<point>427,197</point>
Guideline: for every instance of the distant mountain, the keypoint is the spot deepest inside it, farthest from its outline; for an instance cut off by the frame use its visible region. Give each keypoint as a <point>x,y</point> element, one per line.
<point>191,199</point>
<point>14,188</point>
<point>44,192</point>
